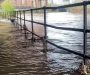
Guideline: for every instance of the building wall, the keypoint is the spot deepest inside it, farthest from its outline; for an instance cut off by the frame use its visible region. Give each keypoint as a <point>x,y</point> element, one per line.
<point>17,3</point>
<point>29,3</point>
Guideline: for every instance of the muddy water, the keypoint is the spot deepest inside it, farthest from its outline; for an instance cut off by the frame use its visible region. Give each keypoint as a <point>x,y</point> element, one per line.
<point>32,61</point>
<point>68,39</point>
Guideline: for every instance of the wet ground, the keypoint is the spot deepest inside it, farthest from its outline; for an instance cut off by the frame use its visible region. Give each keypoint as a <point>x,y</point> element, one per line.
<point>69,39</point>
<point>17,58</point>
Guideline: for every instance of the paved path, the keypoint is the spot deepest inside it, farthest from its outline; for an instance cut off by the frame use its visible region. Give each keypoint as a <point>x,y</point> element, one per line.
<point>19,57</point>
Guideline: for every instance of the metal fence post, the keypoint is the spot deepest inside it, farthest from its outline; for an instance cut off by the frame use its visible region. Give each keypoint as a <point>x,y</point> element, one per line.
<point>24,26</point>
<point>45,31</point>
<point>32,26</point>
<point>84,32</point>
<point>9,16</point>
<point>17,19</point>
<point>20,22</point>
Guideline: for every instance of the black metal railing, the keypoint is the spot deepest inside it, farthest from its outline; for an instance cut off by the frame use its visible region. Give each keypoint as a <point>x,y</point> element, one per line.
<point>45,25</point>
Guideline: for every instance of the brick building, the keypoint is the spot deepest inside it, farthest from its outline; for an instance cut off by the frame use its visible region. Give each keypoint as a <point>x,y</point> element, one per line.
<point>18,3</point>
<point>29,3</point>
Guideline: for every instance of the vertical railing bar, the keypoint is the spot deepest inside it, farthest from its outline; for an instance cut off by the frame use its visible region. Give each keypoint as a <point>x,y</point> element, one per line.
<point>24,17</point>
<point>25,32</point>
<point>17,16</point>
<point>84,32</point>
<point>17,20</point>
<point>20,22</point>
<point>45,28</point>
<point>32,27</point>
<point>45,31</point>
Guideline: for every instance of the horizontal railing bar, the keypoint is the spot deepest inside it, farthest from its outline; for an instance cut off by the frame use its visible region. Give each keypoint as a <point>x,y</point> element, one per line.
<point>70,29</point>
<point>88,31</point>
<point>23,19</point>
<point>63,28</point>
<point>38,8</point>
<point>33,33</point>
<point>31,9</point>
<point>82,55</point>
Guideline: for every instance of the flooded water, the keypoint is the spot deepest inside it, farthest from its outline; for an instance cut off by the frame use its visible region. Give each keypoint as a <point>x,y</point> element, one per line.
<point>29,61</point>
<point>69,39</point>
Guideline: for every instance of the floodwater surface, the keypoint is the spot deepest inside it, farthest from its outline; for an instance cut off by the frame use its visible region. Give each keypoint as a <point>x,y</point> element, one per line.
<point>32,61</point>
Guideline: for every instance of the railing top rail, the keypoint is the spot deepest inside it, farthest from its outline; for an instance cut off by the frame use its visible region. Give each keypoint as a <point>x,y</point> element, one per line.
<point>63,6</point>
<point>56,27</point>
